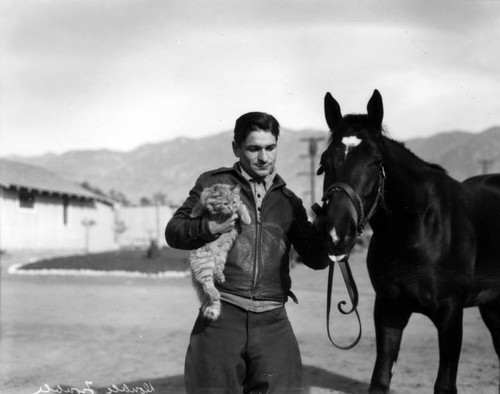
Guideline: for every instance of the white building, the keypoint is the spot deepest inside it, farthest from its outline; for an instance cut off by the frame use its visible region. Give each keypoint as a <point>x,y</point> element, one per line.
<point>143,224</point>
<point>39,210</point>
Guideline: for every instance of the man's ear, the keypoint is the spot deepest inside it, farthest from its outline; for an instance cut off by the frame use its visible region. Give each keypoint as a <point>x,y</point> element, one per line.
<point>236,149</point>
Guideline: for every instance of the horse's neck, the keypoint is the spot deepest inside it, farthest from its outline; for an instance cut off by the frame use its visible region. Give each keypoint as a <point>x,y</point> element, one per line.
<point>409,180</point>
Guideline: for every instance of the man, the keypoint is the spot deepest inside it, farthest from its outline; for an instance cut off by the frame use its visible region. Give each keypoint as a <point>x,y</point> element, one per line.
<point>251,347</point>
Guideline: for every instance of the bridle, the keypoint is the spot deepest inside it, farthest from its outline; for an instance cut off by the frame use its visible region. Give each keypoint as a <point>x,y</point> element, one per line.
<point>356,201</point>
<point>343,261</point>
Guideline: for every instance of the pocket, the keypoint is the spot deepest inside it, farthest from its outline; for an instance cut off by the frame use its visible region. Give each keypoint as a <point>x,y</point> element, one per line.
<point>279,312</point>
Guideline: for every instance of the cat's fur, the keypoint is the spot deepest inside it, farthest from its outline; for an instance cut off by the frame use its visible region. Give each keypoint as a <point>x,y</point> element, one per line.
<point>207,263</point>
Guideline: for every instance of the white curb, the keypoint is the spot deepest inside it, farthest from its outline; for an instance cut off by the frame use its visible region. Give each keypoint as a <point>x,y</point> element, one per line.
<point>15,269</point>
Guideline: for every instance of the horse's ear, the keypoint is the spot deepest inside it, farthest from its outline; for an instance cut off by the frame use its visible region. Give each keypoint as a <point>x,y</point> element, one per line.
<point>332,111</point>
<point>376,110</point>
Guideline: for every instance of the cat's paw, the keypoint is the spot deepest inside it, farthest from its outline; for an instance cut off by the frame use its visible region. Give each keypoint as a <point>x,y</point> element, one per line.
<point>211,312</point>
<point>219,277</point>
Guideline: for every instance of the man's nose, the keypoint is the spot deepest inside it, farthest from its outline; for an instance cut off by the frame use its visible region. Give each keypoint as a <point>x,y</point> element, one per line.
<point>262,155</point>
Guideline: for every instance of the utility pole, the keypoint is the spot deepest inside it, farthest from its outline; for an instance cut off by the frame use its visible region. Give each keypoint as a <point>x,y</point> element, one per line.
<point>485,165</point>
<point>312,152</point>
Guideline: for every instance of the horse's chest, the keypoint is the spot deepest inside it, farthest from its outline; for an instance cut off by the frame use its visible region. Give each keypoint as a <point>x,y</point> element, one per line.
<point>418,286</point>
<point>401,277</point>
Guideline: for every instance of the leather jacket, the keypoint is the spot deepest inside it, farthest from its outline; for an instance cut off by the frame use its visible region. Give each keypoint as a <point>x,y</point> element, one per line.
<point>257,266</point>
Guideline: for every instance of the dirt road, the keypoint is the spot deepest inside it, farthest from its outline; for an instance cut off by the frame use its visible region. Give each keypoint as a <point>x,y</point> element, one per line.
<point>108,334</point>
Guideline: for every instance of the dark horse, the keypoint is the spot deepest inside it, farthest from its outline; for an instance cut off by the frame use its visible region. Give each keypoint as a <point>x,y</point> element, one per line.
<point>435,247</point>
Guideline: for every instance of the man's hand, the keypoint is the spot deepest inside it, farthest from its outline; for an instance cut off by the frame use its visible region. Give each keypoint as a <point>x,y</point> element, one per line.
<point>319,224</point>
<point>224,227</point>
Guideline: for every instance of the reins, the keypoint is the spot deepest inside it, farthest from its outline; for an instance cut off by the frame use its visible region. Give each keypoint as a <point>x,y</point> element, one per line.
<point>353,295</point>
<point>343,260</point>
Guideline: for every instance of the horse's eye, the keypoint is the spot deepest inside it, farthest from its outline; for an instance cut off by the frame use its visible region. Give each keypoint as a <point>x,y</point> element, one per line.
<point>375,163</point>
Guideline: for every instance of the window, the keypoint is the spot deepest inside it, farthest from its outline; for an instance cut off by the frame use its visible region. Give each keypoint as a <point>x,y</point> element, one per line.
<point>26,199</point>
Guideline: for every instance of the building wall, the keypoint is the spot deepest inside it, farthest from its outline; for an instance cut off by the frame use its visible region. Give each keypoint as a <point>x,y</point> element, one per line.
<point>143,224</point>
<point>43,227</point>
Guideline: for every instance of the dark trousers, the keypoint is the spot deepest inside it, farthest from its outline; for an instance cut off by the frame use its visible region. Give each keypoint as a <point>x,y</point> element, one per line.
<point>243,352</point>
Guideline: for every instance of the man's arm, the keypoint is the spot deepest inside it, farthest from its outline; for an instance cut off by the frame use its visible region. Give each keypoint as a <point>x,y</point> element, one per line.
<point>185,232</point>
<point>307,241</point>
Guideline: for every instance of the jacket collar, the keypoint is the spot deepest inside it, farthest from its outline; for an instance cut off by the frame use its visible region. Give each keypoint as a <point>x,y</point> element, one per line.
<point>236,169</point>
<point>267,181</point>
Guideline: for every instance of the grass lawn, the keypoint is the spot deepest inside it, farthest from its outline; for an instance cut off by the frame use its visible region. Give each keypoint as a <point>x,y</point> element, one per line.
<point>166,259</point>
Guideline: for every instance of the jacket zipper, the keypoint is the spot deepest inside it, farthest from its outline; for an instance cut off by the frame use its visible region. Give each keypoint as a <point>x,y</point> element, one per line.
<point>258,231</point>
<point>258,240</point>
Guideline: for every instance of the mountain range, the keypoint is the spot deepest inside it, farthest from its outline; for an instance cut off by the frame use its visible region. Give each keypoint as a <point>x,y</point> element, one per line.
<point>171,167</point>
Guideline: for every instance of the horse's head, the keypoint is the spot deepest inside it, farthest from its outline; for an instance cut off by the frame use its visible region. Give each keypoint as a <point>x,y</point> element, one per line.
<point>353,173</point>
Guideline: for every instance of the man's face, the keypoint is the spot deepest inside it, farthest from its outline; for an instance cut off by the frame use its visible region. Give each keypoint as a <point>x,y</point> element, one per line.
<point>257,153</point>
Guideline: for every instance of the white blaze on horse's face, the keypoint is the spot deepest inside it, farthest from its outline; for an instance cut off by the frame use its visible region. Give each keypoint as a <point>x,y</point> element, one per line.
<point>350,143</point>
<point>333,235</point>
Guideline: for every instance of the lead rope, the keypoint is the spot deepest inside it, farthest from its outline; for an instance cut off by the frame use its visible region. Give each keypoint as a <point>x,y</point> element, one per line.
<point>353,295</point>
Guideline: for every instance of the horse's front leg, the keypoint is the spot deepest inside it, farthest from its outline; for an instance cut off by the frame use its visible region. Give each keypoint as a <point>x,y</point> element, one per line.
<point>390,321</point>
<point>448,321</point>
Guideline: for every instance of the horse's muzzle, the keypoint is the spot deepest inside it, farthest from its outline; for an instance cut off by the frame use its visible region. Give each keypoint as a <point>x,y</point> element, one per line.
<point>341,247</point>
<point>340,239</point>
<point>343,238</point>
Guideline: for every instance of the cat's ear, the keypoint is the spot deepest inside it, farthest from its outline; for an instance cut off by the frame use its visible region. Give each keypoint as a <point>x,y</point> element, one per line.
<point>198,210</point>
<point>244,214</point>
<point>208,192</point>
<point>236,189</point>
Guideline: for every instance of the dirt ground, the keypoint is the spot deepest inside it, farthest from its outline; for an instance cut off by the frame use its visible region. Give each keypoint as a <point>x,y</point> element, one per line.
<point>110,335</point>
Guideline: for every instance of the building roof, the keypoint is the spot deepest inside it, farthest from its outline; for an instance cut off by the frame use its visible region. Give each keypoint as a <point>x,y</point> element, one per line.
<point>18,175</point>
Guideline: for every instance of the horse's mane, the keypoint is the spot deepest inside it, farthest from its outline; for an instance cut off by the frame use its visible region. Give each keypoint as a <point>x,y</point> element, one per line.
<point>402,146</point>
<point>359,122</point>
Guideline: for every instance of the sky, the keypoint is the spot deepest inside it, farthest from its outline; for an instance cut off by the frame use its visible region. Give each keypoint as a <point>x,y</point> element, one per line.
<point>116,74</point>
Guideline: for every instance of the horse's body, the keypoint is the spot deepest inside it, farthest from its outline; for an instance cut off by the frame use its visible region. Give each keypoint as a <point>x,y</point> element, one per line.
<point>435,247</point>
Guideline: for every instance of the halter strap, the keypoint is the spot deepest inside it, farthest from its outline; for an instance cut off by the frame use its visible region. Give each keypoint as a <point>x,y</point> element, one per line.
<point>353,294</point>
<point>362,219</point>
<point>353,196</point>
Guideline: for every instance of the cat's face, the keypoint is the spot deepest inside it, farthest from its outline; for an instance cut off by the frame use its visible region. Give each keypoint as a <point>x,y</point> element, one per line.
<point>224,200</point>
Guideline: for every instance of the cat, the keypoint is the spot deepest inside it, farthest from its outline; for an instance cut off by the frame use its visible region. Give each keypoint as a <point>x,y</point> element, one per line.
<point>207,263</point>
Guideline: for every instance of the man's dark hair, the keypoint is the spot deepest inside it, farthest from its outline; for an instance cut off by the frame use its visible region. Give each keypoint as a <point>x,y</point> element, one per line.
<point>253,121</point>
